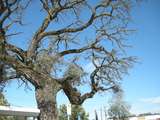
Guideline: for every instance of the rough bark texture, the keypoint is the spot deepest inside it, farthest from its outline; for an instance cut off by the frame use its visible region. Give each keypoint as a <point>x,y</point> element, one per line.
<point>46,101</point>
<point>2,52</point>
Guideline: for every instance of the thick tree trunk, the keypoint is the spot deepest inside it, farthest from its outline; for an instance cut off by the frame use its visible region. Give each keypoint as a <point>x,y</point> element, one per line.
<point>46,101</point>
<point>2,53</point>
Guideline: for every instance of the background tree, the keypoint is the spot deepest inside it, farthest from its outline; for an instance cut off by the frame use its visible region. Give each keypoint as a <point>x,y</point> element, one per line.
<point>60,48</point>
<point>78,111</point>
<point>119,109</point>
<point>63,112</point>
<point>4,102</point>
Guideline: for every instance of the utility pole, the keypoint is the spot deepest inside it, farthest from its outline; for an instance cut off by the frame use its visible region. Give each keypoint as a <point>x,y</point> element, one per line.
<point>101,113</point>
<point>105,113</point>
<point>69,110</point>
<point>96,116</point>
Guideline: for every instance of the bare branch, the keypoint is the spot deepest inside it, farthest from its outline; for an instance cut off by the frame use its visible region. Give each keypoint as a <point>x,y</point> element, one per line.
<point>17,50</point>
<point>20,68</point>
<point>52,13</point>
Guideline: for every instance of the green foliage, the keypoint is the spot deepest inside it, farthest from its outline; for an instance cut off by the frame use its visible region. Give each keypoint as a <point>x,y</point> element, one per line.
<point>76,72</point>
<point>3,101</point>
<point>76,110</point>
<point>45,61</point>
<point>63,112</point>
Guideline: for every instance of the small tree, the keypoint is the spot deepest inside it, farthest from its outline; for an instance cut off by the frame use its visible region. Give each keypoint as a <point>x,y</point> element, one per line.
<point>4,102</point>
<point>119,109</point>
<point>63,112</point>
<point>76,111</point>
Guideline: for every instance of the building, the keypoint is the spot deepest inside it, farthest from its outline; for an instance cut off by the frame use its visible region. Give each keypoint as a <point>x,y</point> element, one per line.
<point>146,117</point>
<point>21,112</point>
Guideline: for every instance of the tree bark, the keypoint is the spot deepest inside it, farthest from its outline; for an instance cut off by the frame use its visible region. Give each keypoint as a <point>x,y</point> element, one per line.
<point>2,53</point>
<point>46,101</point>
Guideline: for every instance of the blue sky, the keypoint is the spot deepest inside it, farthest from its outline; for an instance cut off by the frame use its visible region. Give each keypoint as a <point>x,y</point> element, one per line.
<point>141,86</point>
<point>143,82</point>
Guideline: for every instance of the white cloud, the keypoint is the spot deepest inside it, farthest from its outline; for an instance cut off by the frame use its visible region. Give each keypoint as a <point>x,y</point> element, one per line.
<point>153,100</point>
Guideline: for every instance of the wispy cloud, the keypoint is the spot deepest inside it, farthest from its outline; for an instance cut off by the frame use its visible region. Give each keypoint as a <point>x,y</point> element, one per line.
<point>153,100</point>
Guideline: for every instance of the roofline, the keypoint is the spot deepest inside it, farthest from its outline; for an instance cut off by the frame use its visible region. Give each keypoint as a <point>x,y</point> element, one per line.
<point>138,115</point>
<point>19,111</point>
